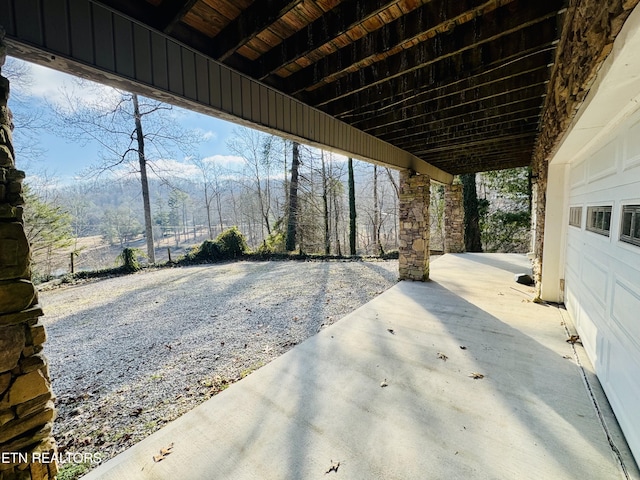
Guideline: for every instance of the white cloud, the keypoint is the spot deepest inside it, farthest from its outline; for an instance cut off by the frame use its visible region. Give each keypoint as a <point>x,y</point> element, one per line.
<point>167,168</point>
<point>50,85</point>
<point>227,161</point>
<point>173,168</point>
<point>208,135</point>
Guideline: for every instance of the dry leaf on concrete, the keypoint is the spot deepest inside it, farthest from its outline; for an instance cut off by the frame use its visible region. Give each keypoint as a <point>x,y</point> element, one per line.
<point>384,383</point>
<point>442,356</point>
<point>476,375</point>
<point>163,453</point>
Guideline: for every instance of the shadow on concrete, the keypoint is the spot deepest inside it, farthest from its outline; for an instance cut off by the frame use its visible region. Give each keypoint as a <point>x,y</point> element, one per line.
<point>387,393</point>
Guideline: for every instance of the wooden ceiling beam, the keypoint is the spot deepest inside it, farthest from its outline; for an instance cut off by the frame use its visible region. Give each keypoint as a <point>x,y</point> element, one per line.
<point>488,134</point>
<point>460,129</point>
<point>332,24</point>
<point>526,107</point>
<point>496,79</point>
<point>434,17</point>
<point>470,99</point>
<point>448,74</point>
<point>456,132</point>
<point>484,165</point>
<point>167,21</point>
<point>486,153</point>
<point>258,16</point>
<point>507,146</point>
<point>171,12</point>
<point>482,36</point>
<point>523,99</point>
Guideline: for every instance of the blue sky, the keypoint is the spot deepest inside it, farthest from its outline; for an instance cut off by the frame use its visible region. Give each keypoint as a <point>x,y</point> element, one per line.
<point>65,160</point>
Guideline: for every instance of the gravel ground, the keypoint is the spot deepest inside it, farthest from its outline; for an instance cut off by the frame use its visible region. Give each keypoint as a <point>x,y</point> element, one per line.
<point>129,354</point>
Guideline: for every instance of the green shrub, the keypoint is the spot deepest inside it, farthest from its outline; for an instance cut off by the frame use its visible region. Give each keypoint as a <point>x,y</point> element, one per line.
<point>232,243</point>
<point>228,245</point>
<point>129,258</point>
<point>209,251</point>
<point>274,243</point>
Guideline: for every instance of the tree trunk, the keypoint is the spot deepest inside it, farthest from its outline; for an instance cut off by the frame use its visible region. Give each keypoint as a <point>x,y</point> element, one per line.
<point>376,213</point>
<point>148,226</point>
<point>325,207</point>
<point>292,222</point>
<point>472,240</point>
<point>336,213</point>
<point>219,208</point>
<point>352,210</point>
<point>207,204</point>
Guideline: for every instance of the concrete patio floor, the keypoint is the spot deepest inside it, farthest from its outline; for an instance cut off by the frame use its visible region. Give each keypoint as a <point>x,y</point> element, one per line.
<point>321,411</point>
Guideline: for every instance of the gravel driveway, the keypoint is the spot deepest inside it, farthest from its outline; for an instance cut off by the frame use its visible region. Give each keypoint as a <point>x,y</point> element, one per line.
<point>129,354</point>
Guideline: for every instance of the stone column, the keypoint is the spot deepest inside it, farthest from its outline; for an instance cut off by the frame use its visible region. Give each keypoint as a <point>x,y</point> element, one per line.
<point>414,226</point>
<point>26,399</point>
<point>453,219</point>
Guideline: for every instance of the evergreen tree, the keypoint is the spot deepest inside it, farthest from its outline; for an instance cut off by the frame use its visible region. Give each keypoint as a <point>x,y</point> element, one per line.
<point>48,229</point>
<point>472,238</point>
<point>292,223</point>
<point>352,210</point>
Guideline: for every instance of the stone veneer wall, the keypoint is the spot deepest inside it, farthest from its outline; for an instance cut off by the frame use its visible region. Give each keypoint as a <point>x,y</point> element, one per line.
<point>453,219</point>
<point>589,30</point>
<point>26,400</point>
<point>414,226</point>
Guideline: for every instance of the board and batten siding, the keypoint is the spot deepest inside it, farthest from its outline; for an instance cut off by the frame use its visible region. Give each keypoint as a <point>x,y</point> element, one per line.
<point>602,273</point>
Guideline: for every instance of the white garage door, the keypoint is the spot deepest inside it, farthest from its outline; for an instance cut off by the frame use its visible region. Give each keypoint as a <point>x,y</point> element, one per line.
<point>602,271</point>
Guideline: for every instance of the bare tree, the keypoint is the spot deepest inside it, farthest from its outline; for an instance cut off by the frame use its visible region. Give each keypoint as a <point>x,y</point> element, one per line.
<point>132,132</point>
<point>325,205</point>
<point>27,116</point>
<point>292,221</point>
<point>212,185</point>
<point>256,149</point>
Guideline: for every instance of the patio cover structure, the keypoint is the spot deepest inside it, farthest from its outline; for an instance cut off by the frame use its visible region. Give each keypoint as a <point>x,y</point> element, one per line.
<point>434,88</point>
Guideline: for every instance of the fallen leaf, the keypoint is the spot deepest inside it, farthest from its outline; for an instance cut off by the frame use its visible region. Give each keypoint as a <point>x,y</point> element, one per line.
<point>333,468</point>
<point>384,383</point>
<point>573,339</point>
<point>476,375</point>
<point>442,356</point>
<point>163,453</point>
<point>390,330</point>
<point>566,356</point>
<point>462,347</point>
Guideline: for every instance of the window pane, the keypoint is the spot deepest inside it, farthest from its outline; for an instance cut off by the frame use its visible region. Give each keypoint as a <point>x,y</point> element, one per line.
<point>636,225</point>
<point>606,223</point>
<point>626,223</point>
<point>599,219</point>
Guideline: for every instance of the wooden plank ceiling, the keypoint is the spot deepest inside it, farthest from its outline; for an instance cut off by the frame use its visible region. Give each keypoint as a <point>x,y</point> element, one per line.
<point>458,83</point>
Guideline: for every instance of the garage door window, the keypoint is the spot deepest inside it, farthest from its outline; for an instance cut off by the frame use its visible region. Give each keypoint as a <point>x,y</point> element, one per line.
<point>575,216</point>
<point>599,220</point>
<point>630,231</point>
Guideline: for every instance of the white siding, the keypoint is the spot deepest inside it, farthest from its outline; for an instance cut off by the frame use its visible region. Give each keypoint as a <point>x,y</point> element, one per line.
<point>602,274</point>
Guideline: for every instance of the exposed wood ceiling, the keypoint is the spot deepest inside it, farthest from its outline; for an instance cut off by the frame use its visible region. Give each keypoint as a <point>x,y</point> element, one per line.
<point>458,83</point>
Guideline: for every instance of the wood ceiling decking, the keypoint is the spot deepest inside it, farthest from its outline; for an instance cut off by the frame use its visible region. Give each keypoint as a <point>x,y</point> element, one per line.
<point>460,84</point>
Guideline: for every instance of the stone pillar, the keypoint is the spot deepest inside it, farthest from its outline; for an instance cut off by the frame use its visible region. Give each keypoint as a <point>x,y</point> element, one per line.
<point>414,226</point>
<point>453,219</point>
<point>26,399</point>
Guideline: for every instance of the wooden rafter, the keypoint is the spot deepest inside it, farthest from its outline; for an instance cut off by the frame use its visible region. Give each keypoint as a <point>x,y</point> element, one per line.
<point>460,84</point>
<point>408,61</point>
